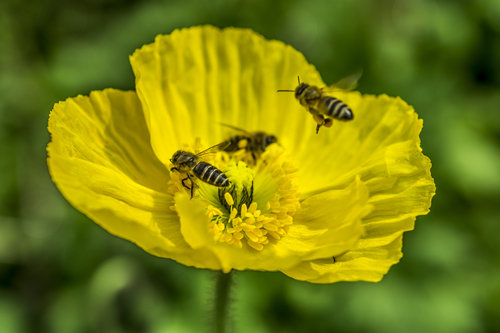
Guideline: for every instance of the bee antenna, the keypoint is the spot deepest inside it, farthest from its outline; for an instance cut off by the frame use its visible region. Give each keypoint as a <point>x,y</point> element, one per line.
<point>288,90</point>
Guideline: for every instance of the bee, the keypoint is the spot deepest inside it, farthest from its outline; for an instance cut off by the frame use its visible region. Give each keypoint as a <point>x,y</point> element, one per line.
<point>254,143</point>
<point>189,164</point>
<point>324,108</point>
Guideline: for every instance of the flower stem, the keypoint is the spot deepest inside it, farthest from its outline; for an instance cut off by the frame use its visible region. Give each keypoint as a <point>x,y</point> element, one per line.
<point>221,302</point>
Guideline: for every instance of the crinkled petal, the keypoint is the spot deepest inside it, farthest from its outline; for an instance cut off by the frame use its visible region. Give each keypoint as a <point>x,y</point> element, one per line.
<point>329,223</point>
<point>349,148</point>
<point>398,178</point>
<point>364,264</point>
<point>101,161</point>
<point>192,80</point>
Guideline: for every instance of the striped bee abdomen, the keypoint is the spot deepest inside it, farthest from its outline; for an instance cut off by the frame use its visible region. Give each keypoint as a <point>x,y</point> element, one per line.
<point>337,109</point>
<point>210,174</point>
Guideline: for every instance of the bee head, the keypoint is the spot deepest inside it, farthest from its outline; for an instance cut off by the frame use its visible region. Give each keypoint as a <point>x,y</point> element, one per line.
<point>270,139</point>
<point>300,89</point>
<point>267,140</point>
<point>175,157</point>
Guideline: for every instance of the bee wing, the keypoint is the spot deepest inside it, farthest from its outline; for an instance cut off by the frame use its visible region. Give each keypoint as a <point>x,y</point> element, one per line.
<point>236,128</point>
<point>347,83</point>
<point>215,148</point>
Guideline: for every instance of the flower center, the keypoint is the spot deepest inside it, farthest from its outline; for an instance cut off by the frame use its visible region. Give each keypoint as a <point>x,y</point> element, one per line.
<point>258,206</point>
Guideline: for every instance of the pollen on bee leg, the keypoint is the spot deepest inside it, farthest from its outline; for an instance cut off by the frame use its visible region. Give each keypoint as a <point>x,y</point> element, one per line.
<point>328,122</point>
<point>242,143</point>
<point>235,216</point>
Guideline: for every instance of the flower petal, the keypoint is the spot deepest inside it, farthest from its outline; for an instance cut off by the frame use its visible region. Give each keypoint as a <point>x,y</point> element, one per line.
<point>401,188</point>
<point>101,161</point>
<point>329,223</point>
<point>348,148</point>
<point>366,265</point>
<point>193,79</point>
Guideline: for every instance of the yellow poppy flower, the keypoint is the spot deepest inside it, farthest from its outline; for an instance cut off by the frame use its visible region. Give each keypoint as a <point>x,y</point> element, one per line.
<point>318,207</point>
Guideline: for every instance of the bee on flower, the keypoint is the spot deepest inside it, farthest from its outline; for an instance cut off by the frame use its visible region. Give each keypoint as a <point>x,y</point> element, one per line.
<point>191,166</point>
<point>252,143</point>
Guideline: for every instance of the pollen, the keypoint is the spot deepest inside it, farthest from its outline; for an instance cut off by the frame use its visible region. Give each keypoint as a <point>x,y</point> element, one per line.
<point>242,144</point>
<point>258,207</point>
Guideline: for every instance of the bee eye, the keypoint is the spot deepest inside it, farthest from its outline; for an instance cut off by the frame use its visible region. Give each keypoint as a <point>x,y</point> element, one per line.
<point>300,89</point>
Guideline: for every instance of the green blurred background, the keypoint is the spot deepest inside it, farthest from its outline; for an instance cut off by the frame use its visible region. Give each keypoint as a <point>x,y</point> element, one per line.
<point>59,272</point>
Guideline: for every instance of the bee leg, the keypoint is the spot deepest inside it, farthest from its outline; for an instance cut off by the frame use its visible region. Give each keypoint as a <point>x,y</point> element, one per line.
<point>182,182</point>
<point>188,187</point>
<point>174,169</point>
<point>320,120</point>
<point>317,128</point>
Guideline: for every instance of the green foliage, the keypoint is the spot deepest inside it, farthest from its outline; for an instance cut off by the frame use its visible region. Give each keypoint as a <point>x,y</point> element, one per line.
<point>61,273</point>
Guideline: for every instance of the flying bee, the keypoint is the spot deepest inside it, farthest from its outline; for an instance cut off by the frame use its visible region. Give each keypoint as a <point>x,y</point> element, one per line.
<point>254,143</point>
<point>324,108</point>
<point>189,164</point>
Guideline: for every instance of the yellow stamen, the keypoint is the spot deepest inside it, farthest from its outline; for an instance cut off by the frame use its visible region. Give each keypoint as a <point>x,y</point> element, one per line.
<point>234,213</point>
<point>244,210</point>
<point>229,198</point>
